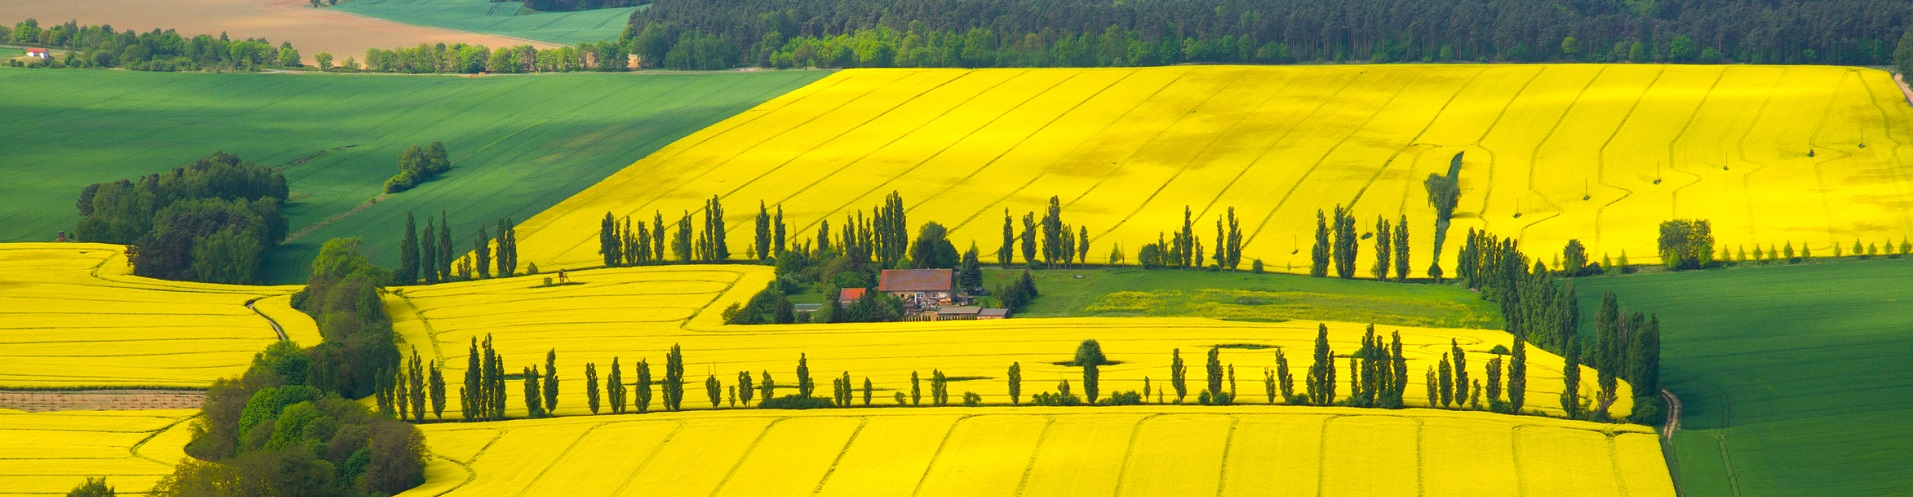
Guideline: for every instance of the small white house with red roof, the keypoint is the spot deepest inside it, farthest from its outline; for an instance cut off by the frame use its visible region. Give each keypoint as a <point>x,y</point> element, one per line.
<point>38,53</point>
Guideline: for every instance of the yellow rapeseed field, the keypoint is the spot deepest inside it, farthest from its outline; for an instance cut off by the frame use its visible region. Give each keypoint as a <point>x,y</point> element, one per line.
<point>638,313</point>
<point>1000,451</point>
<point>72,315</point>
<point>50,453</point>
<point>1807,155</point>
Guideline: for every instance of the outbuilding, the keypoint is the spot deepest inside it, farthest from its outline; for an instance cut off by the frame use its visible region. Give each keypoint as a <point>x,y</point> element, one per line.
<point>38,53</point>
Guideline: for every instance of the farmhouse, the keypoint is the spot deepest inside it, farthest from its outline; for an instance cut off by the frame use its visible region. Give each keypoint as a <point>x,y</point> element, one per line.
<point>38,53</point>
<point>919,288</point>
<point>849,296</point>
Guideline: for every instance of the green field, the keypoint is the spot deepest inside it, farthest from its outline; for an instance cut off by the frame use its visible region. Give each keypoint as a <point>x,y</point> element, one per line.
<point>519,144</point>
<point>11,52</point>
<point>1794,380</point>
<point>1244,296</point>
<point>500,18</point>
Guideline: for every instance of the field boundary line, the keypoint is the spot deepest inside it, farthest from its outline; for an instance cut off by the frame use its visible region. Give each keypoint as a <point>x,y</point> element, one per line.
<point>1228,444</point>
<point>134,450</point>
<point>1297,185</point>
<point>944,442</point>
<point>431,334</point>
<point>649,456</point>
<point>1600,160</point>
<point>1673,197</point>
<point>1488,192</point>
<point>862,421</point>
<point>746,456</point>
<point>1819,172</point>
<point>528,41</point>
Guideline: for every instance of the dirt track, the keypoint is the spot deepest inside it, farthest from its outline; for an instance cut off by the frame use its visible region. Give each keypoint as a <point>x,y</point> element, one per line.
<point>100,400</point>
<point>310,30</point>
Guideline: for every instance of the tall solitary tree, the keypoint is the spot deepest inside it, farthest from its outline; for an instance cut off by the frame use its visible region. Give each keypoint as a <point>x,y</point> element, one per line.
<point>1178,374</point>
<point>1016,383</point>
<point>591,387</point>
<point>1319,254</point>
<point>1401,249</point>
<point>428,255</point>
<point>674,379</point>
<point>641,391</point>
<point>551,381</point>
<point>1384,248</point>
<point>1005,255</point>
<point>804,385</point>
<point>438,393</point>
<point>1089,356</point>
<point>1444,194</point>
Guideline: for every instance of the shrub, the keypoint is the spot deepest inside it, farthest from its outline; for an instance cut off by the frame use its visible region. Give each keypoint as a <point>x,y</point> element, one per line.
<point>797,402</point>
<point>971,399</point>
<point>1055,399</point>
<point>1130,398</point>
<point>1255,266</point>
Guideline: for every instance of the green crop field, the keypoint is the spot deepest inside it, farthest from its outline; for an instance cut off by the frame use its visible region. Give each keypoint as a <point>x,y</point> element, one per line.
<point>11,52</point>
<point>1244,296</point>
<point>500,18</point>
<point>519,144</point>
<point>1794,379</point>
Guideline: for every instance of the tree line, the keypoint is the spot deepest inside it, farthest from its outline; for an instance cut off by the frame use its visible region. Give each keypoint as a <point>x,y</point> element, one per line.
<point>288,426</point>
<point>430,259</point>
<point>461,58</point>
<point>100,46</point>
<point>212,220</point>
<point>419,165</point>
<point>682,34</point>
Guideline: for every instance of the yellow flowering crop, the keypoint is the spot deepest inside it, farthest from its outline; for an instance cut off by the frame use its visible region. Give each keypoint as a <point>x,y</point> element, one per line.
<point>639,313</point>
<point>50,453</point>
<point>1000,451</point>
<point>71,315</point>
<point>1807,155</point>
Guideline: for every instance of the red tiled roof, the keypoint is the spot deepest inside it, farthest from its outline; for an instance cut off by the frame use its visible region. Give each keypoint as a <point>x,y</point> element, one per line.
<point>850,294</point>
<point>36,50</point>
<point>916,280</point>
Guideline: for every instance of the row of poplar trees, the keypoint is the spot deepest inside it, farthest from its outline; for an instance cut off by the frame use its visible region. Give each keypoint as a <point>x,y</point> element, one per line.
<point>430,259</point>
<point>1337,243</point>
<point>1182,249</point>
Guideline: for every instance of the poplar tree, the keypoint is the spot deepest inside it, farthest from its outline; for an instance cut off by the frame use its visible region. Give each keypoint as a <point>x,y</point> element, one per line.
<point>1214,368</point>
<point>777,233</point>
<point>1460,358</point>
<point>1644,350</point>
<point>438,393</point>
<point>744,389</point>
<point>1029,238</point>
<point>534,405</point>
<point>551,381</point>
<point>1321,380</point>
<point>610,242</point>
<point>1446,374</point>
<point>1401,249</point>
<point>1434,396</point>
<point>768,387</point>
<point>1235,240</point>
<point>614,387</point>
<point>867,390</point>
<point>1384,249</point>
<point>1518,374</point>
<point>916,390</point>
<point>1016,383</point>
<point>1345,243</point>
<point>681,243</point>
<point>428,255</point>
<point>714,390</point>
<point>1494,385</point>
<point>1319,254</point>
<point>416,387</point>
<point>641,392</point>
<point>507,246</point>
<point>1283,380</point>
<point>804,384</point>
<point>408,253</point>
<point>763,240</point>
<point>657,236</point>
<point>1571,380</point>
<point>1006,255</point>
<point>591,387</point>
<point>469,406</point>
<point>1399,364</point>
<point>673,379</point>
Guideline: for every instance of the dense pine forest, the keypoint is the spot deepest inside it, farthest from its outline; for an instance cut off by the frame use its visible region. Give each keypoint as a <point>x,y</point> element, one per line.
<point>711,34</point>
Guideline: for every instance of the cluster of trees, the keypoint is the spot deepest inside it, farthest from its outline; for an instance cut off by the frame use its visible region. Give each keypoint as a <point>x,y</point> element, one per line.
<point>1058,241</point>
<point>419,165</point>
<point>1627,346</point>
<point>683,34</point>
<point>100,46</point>
<point>287,426</point>
<point>428,258</point>
<point>1532,305</point>
<point>1444,194</point>
<point>1778,253</point>
<point>1183,250</point>
<point>460,58</point>
<point>621,245</point>
<point>1337,241</point>
<point>212,220</point>
<point>403,391</point>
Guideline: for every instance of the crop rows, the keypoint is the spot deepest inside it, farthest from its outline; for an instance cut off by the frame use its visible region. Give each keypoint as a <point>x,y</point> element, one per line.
<point>1601,153</point>
<point>50,453</point>
<point>74,317</point>
<point>1135,451</point>
<point>639,313</point>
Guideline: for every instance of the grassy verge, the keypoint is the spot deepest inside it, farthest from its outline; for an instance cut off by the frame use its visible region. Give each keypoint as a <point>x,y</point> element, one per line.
<point>518,144</point>
<point>1244,296</point>
<point>1794,379</point>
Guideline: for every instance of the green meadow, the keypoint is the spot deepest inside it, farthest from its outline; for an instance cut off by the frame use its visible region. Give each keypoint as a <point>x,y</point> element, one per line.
<point>1245,296</point>
<point>1794,380</point>
<point>519,144</point>
<point>500,18</point>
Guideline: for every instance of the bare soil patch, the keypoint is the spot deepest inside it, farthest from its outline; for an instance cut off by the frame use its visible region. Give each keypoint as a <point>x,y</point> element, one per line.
<point>100,400</point>
<point>310,30</point>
